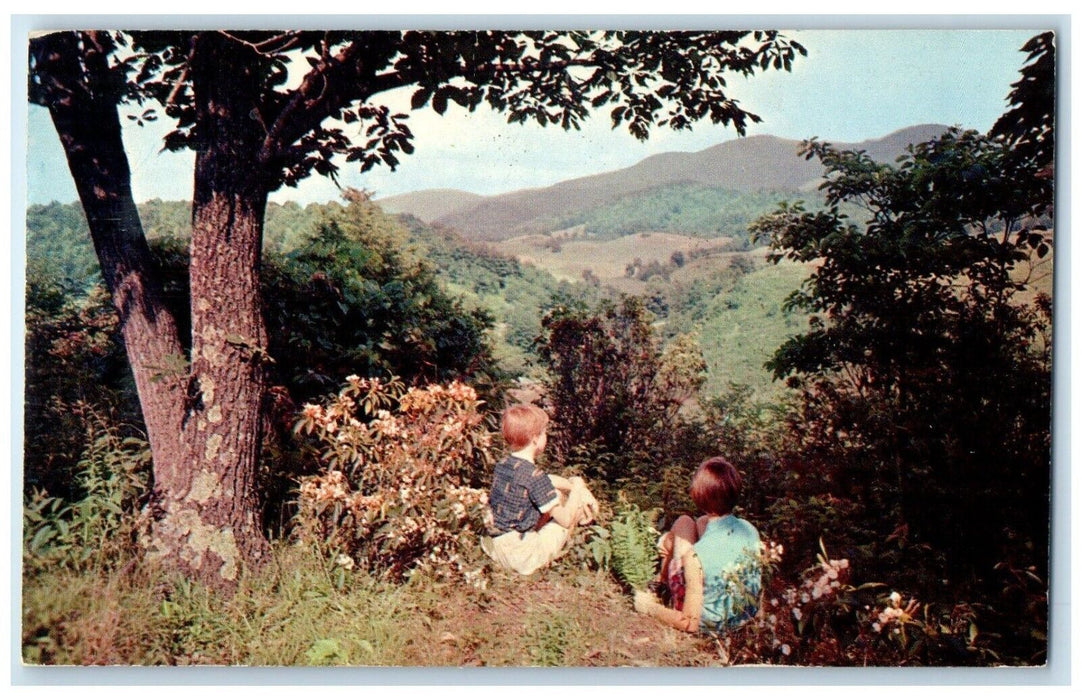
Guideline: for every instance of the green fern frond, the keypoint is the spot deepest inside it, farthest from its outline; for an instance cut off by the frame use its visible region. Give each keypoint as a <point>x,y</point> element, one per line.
<point>634,545</point>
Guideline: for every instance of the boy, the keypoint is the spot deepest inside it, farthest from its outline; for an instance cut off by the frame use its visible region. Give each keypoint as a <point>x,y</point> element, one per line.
<point>533,513</point>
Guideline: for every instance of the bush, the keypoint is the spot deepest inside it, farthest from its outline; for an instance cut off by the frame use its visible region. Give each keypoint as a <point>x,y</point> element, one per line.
<point>825,620</point>
<point>401,473</point>
<point>95,529</point>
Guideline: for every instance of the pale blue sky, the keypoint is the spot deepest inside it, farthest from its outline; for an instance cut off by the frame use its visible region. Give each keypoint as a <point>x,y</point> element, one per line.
<point>853,85</point>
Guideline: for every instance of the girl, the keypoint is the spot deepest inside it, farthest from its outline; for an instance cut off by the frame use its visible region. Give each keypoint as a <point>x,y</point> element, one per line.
<point>710,565</point>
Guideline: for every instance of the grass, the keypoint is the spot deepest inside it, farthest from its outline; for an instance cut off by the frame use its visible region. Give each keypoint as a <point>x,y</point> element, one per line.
<point>741,329</point>
<point>298,612</point>
<point>607,259</point>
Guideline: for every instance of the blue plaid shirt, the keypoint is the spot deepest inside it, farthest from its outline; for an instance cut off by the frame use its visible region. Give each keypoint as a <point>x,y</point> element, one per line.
<point>520,493</point>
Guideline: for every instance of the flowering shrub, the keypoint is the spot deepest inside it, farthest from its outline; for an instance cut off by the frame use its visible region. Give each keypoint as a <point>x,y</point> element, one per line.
<point>824,620</point>
<point>395,492</point>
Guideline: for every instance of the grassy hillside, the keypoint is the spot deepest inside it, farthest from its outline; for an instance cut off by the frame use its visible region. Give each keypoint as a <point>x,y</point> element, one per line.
<point>516,294</point>
<point>684,208</point>
<point>741,328</point>
<point>568,255</point>
<point>305,611</point>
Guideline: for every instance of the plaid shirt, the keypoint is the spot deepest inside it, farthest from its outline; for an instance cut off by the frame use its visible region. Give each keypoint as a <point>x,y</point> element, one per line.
<point>520,493</point>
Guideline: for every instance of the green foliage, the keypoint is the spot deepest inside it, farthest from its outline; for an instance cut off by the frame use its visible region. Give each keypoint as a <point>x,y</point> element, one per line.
<point>352,298</point>
<point>918,351</point>
<point>691,209</point>
<point>73,360</point>
<point>58,248</point>
<point>611,385</point>
<point>634,545</point>
<point>93,530</point>
<point>1029,126</point>
<point>744,322</point>
<point>551,637</point>
<point>515,296</point>
<point>326,652</point>
<point>356,300</point>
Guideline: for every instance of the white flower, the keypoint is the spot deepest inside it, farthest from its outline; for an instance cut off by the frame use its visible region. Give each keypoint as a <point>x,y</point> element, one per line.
<point>895,599</point>
<point>345,561</point>
<point>785,649</point>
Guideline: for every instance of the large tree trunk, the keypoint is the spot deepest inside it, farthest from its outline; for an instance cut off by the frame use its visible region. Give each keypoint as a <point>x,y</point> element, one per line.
<point>83,105</point>
<point>211,522</point>
<point>203,423</point>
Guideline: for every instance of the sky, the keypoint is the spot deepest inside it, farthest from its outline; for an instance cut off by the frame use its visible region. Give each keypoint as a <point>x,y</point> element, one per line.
<point>854,84</point>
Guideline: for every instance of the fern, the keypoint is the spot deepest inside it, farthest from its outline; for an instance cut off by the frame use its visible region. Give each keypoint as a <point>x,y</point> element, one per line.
<point>634,545</point>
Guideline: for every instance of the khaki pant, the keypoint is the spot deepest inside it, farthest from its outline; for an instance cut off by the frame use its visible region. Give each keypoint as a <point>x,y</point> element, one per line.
<point>528,551</point>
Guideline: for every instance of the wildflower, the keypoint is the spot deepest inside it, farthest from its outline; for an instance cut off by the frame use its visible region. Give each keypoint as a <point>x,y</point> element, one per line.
<point>785,649</point>
<point>345,561</point>
<point>876,626</point>
<point>895,599</point>
<point>797,613</point>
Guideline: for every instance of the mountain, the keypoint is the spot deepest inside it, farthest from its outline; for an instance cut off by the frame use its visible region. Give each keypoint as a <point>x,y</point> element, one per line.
<point>752,164</point>
<point>429,205</point>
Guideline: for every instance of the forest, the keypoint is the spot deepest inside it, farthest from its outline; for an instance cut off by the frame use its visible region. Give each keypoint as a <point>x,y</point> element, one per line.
<point>284,462</point>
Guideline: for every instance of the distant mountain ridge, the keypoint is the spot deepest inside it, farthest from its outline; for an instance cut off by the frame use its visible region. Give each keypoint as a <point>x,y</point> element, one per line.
<point>754,163</point>
<point>429,205</point>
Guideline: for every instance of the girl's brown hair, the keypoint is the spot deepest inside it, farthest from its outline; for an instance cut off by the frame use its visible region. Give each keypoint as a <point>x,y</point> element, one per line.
<point>522,423</point>
<point>716,486</point>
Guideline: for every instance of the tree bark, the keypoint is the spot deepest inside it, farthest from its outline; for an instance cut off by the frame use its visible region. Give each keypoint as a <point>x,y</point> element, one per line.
<point>211,522</point>
<point>203,422</point>
<point>83,106</point>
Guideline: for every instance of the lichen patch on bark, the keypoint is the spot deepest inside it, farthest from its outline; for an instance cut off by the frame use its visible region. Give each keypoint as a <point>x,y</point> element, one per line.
<point>198,544</point>
<point>214,442</point>
<point>205,486</point>
<point>208,387</point>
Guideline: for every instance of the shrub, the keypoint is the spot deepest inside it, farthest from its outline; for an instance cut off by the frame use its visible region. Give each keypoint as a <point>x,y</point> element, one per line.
<point>93,530</point>
<point>399,485</point>
<point>825,620</point>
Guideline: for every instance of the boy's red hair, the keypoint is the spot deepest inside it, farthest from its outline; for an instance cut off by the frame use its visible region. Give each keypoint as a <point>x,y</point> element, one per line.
<point>522,423</point>
<point>716,486</point>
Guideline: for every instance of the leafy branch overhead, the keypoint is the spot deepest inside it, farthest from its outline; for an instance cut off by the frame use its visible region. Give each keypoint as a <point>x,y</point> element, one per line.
<point>342,105</point>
